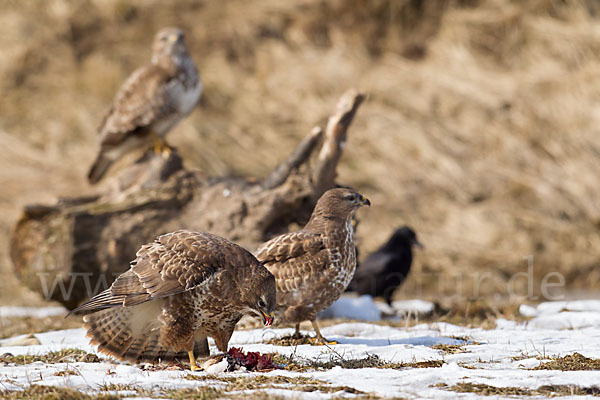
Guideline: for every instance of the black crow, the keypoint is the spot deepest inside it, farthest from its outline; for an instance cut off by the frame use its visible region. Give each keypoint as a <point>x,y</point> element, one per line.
<point>385,269</point>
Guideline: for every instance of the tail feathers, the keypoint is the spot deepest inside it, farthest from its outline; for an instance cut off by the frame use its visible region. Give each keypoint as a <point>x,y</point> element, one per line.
<point>99,168</point>
<point>101,301</point>
<point>117,332</point>
<point>109,330</point>
<point>125,291</point>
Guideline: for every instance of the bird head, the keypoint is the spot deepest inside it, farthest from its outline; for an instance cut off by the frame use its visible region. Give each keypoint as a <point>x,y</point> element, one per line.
<point>406,235</point>
<point>339,203</point>
<point>261,299</point>
<point>168,42</point>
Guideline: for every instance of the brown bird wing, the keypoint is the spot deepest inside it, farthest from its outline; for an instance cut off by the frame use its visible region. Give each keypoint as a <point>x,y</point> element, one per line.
<point>295,259</point>
<point>172,264</point>
<point>141,100</point>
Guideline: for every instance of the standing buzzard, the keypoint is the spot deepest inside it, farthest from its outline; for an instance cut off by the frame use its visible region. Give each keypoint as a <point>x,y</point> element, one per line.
<point>313,267</point>
<point>151,101</point>
<point>180,289</point>
<point>385,269</point>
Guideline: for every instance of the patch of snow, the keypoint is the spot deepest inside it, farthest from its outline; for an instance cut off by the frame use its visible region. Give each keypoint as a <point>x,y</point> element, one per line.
<point>566,320</point>
<point>528,311</point>
<point>563,314</point>
<point>51,341</point>
<point>502,323</point>
<point>553,307</point>
<point>419,307</point>
<point>362,308</point>
<point>556,307</point>
<point>33,312</point>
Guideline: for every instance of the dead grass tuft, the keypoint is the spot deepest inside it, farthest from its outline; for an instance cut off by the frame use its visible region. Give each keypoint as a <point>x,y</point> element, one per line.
<point>466,366</point>
<point>61,356</point>
<point>258,382</point>
<point>571,362</point>
<point>210,377</point>
<point>39,392</point>
<point>292,340</point>
<point>293,363</point>
<point>66,372</point>
<point>569,390</point>
<point>199,393</point>
<point>300,383</point>
<point>487,390</point>
<point>476,314</point>
<point>547,390</point>
<point>449,348</point>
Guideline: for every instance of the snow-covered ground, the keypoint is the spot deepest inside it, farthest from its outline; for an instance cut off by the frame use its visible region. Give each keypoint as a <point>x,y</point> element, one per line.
<point>501,357</point>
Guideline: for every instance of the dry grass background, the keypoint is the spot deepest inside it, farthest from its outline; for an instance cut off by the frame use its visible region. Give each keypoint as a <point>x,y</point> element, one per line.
<point>481,128</point>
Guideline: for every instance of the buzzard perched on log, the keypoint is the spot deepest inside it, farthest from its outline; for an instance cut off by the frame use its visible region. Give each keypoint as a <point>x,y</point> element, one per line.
<point>313,267</point>
<point>385,269</point>
<point>180,289</point>
<point>151,101</point>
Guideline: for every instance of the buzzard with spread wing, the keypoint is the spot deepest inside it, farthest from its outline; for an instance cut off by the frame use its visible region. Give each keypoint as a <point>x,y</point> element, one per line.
<point>180,289</point>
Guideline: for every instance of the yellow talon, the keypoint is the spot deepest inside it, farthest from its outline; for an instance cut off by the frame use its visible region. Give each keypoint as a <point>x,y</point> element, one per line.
<point>160,145</point>
<point>319,337</point>
<point>193,365</point>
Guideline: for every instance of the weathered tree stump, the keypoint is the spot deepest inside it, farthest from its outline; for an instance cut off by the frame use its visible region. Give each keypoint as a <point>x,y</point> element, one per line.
<point>75,248</point>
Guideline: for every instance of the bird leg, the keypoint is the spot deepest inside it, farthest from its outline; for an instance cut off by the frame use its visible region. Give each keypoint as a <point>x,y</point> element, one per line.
<point>193,365</point>
<point>297,334</point>
<point>160,145</point>
<point>319,338</point>
<point>189,347</point>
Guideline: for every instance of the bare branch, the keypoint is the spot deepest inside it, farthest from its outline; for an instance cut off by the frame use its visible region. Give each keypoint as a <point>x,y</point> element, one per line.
<point>298,157</point>
<point>335,138</point>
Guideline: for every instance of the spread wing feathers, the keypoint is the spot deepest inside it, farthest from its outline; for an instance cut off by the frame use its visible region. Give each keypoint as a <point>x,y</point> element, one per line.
<point>132,333</point>
<point>295,259</point>
<point>143,99</point>
<point>172,264</point>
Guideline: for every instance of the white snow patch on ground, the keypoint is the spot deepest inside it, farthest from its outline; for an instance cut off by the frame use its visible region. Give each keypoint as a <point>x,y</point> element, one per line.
<point>563,314</point>
<point>555,307</point>
<point>365,308</point>
<point>500,357</point>
<point>34,312</point>
<point>361,308</point>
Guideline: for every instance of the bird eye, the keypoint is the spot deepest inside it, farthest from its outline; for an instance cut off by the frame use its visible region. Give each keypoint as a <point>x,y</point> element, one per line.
<point>261,303</point>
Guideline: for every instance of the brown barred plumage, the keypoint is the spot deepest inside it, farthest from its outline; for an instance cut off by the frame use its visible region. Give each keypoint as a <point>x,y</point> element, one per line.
<point>313,267</point>
<point>152,100</point>
<point>180,289</point>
